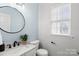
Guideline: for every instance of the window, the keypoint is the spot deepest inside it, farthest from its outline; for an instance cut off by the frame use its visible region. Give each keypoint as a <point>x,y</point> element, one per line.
<point>61,17</point>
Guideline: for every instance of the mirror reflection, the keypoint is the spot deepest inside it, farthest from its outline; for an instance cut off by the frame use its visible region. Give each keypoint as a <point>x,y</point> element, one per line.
<point>11,20</point>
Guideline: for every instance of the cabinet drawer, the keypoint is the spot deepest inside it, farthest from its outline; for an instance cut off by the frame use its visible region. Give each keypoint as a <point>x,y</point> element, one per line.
<point>30,53</point>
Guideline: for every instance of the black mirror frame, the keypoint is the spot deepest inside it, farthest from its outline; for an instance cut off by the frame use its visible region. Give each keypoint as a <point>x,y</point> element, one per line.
<point>23,20</point>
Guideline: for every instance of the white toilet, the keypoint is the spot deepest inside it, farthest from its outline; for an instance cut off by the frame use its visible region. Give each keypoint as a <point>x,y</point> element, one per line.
<point>35,42</point>
<point>39,52</point>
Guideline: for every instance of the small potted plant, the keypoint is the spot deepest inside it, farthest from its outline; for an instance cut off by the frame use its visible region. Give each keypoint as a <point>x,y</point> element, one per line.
<point>24,38</point>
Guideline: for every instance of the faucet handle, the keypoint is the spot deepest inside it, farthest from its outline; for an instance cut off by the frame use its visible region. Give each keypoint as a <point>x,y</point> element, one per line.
<point>9,45</point>
<point>18,43</point>
<point>53,42</point>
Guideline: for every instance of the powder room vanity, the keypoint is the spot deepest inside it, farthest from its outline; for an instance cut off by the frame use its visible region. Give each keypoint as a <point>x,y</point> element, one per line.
<point>22,50</point>
<point>12,21</point>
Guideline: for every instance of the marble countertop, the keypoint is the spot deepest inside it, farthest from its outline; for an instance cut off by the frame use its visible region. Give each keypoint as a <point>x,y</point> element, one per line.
<point>18,50</point>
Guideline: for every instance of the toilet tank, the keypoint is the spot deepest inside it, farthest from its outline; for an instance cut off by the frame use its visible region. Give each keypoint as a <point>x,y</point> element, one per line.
<point>35,42</point>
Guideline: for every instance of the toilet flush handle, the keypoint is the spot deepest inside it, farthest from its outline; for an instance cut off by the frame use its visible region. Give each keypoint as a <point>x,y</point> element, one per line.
<point>53,42</point>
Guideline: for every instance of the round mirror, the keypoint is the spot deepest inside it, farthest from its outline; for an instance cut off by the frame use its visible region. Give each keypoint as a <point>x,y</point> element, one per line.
<point>11,20</point>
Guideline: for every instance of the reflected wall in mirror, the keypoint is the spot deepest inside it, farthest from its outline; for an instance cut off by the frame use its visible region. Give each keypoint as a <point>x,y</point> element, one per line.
<point>11,20</point>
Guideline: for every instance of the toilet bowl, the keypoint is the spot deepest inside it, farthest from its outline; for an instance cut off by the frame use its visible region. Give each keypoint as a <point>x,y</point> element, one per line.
<point>42,52</point>
<point>39,52</point>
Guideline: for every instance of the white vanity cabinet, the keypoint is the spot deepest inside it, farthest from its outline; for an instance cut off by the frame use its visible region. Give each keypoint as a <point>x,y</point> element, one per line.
<point>22,50</point>
<point>30,53</point>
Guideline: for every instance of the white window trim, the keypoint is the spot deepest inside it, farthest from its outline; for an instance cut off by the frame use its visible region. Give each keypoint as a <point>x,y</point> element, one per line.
<point>56,34</point>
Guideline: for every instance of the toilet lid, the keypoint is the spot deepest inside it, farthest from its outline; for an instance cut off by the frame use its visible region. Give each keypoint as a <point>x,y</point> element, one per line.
<point>35,42</point>
<point>42,51</point>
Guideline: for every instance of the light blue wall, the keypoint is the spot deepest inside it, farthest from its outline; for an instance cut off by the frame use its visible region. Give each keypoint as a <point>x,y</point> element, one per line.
<point>30,13</point>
